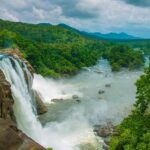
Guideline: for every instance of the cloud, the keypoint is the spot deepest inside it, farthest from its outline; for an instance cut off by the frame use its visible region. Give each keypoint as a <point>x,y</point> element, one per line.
<point>141,3</point>
<point>90,15</point>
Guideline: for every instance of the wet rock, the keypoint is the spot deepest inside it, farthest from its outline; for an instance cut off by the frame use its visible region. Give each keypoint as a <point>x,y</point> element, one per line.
<point>99,72</point>
<point>13,139</point>
<point>6,99</point>
<point>107,85</point>
<point>104,130</point>
<point>79,101</point>
<point>101,92</point>
<point>57,100</point>
<point>75,96</point>
<point>41,107</point>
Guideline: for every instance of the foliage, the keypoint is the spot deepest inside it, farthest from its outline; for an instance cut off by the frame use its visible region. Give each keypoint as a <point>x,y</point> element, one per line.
<point>143,92</point>
<point>143,44</point>
<point>121,56</point>
<point>52,50</point>
<point>49,149</point>
<point>57,50</point>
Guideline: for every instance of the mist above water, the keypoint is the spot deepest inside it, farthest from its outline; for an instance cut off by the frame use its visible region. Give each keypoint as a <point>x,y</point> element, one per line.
<point>73,122</point>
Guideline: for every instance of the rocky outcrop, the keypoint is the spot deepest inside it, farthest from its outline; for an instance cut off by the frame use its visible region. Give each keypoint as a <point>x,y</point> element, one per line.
<point>41,108</point>
<point>13,139</point>
<point>16,53</point>
<point>6,100</point>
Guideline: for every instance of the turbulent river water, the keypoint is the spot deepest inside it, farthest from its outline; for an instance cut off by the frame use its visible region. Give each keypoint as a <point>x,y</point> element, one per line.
<point>68,124</point>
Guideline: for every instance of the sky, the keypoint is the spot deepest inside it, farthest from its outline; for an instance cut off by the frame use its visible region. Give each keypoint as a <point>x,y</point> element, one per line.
<point>130,16</point>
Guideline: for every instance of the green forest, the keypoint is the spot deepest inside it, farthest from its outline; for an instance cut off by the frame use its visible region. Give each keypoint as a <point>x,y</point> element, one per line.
<point>55,51</point>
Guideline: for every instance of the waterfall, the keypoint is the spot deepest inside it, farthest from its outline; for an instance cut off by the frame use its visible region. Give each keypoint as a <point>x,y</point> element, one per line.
<point>20,79</point>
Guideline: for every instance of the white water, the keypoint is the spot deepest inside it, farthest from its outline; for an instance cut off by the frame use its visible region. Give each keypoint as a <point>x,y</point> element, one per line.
<point>76,123</point>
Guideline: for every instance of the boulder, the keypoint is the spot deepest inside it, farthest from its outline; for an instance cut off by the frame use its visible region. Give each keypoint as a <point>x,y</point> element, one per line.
<point>75,96</point>
<point>99,72</point>
<point>79,101</point>
<point>101,92</point>
<point>57,100</point>
<point>41,107</point>
<point>104,131</point>
<point>107,85</point>
<point>13,139</point>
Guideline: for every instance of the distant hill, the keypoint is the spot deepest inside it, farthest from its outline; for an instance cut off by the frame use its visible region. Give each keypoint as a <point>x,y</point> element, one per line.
<point>98,35</point>
<point>44,24</point>
<point>115,36</point>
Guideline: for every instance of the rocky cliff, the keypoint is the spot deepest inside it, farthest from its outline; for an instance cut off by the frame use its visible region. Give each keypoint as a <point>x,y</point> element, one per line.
<point>6,100</point>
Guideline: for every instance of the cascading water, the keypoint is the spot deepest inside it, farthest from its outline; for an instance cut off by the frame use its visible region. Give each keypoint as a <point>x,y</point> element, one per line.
<point>24,106</point>
<point>69,125</point>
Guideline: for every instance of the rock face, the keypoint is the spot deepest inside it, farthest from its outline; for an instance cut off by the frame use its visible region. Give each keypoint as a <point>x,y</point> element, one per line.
<point>41,108</point>
<point>6,100</point>
<point>13,139</point>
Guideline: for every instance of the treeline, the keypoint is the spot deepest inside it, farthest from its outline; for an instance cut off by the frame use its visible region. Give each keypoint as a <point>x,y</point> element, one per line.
<point>121,56</point>
<point>57,50</point>
<point>143,44</point>
<point>134,131</point>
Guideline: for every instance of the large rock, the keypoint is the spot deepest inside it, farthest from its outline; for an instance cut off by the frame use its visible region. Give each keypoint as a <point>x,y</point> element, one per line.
<point>104,130</point>
<point>101,92</point>
<point>55,100</point>
<point>41,107</point>
<point>6,99</point>
<point>13,139</point>
<point>75,97</point>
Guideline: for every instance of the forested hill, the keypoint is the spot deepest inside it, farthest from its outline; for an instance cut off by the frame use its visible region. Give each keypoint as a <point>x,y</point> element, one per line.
<point>56,50</point>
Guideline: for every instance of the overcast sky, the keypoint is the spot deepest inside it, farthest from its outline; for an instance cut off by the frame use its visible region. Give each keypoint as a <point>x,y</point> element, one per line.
<point>131,16</point>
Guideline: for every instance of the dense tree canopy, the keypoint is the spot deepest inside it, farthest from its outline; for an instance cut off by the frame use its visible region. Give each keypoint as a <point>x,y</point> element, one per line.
<point>57,50</point>
<point>121,56</point>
